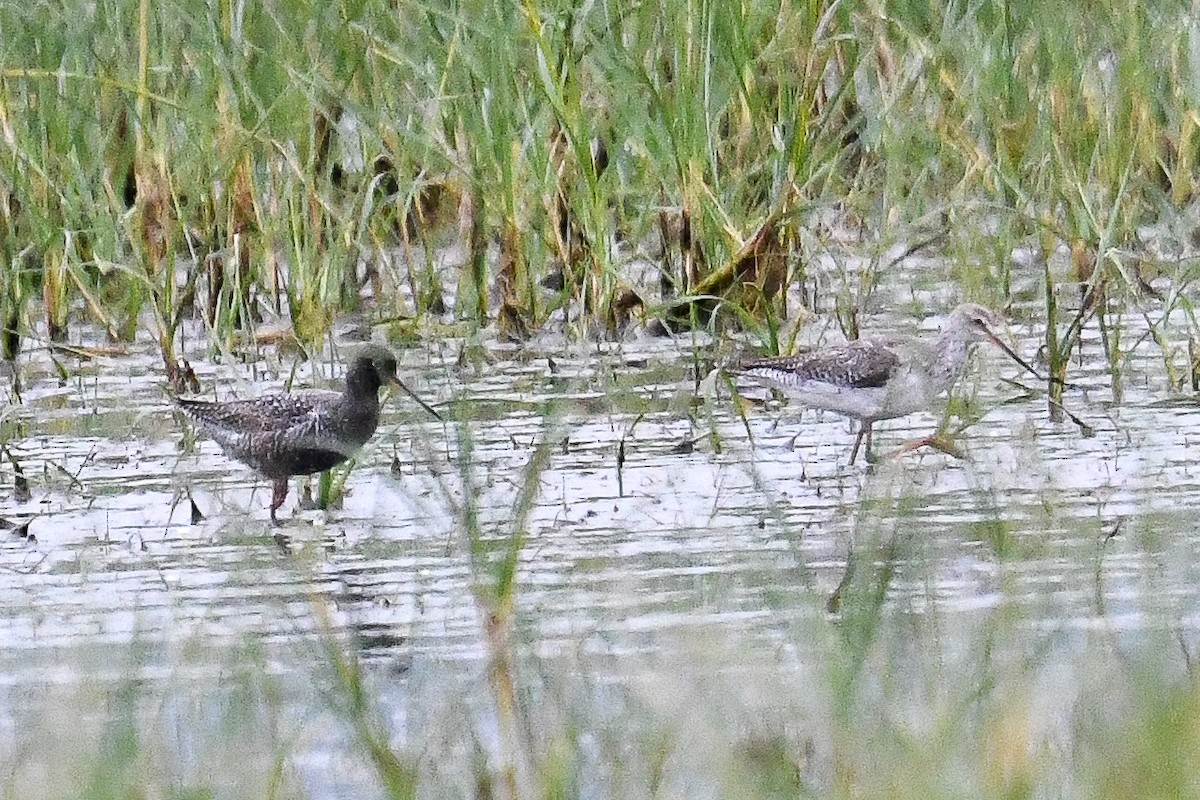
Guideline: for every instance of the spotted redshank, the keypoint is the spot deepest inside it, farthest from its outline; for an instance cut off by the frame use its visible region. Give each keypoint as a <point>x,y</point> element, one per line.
<point>882,378</point>
<point>282,435</point>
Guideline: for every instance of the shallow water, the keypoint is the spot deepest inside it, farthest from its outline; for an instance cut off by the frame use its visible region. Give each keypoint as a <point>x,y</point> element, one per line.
<point>733,552</point>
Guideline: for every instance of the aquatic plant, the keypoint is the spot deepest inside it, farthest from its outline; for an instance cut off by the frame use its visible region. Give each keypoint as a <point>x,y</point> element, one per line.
<point>266,169</point>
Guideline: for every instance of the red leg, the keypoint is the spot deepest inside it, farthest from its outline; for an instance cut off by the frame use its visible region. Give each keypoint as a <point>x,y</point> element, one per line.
<point>279,492</point>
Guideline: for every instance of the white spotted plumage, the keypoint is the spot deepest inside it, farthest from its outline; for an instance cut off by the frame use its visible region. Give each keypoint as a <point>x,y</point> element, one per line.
<point>880,378</point>
<point>281,435</point>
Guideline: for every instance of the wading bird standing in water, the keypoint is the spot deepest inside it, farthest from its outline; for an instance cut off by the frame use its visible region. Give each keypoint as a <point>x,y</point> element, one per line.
<point>281,435</point>
<point>882,378</point>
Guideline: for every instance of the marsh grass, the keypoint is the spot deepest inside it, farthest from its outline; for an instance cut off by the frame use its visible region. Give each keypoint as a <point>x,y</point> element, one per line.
<point>520,768</point>
<point>273,163</point>
<point>243,163</point>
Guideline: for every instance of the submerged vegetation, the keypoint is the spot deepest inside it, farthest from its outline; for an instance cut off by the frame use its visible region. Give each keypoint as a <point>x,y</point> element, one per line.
<point>247,172</point>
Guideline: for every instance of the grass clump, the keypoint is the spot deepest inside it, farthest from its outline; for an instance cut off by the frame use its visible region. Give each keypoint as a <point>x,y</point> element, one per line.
<point>294,162</point>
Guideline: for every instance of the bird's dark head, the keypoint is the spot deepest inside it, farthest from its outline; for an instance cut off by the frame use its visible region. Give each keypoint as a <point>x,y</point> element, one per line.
<point>373,366</point>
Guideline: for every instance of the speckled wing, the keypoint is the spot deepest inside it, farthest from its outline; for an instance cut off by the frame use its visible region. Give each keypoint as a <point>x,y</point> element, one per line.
<point>862,364</point>
<point>266,414</point>
<point>278,434</point>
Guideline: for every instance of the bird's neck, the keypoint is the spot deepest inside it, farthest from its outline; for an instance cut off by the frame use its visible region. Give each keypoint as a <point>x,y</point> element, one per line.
<point>950,353</point>
<point>362,387</point>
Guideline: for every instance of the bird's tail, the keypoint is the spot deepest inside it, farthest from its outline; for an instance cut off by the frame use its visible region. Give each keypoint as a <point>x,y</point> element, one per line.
<point>190,406</point>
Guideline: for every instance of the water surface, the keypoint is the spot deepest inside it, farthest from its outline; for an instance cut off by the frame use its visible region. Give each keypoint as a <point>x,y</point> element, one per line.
<point>710,550</point>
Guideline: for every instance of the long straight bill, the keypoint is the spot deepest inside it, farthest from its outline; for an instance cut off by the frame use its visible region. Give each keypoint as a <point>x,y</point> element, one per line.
<point>996,340</point>
<point>413,395</point>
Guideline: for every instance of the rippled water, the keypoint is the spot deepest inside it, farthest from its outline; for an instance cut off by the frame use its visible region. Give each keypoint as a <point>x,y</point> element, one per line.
<point>704,528</point>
